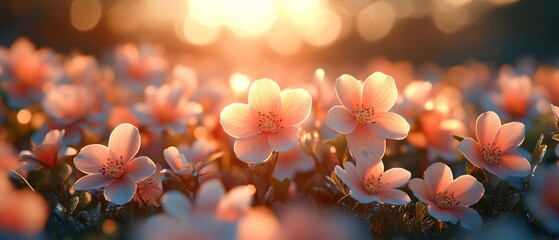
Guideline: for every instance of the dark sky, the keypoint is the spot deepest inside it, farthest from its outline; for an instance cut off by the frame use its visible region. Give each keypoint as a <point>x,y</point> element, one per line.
<point>502,35</point>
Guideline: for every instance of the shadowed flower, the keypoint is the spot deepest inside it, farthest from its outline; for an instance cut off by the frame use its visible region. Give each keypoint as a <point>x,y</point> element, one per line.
<point>186,160</point>
<point>166,108</point>
<point>448,198</point>
<point>139,67</point>
<point>555,111</point>
<point>114,167</point>
<point>149,190</point>
<point>363,115</point>
<point>268,122</point>
<point>368,182</point>
<point>50,151</point>
<point>28,72</point>
<point>22,212</point>
<point>496,150</point>
<point>543,200</point>
<point>74,108</point>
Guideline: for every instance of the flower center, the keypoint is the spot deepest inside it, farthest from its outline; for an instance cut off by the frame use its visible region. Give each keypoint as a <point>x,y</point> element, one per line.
<point>364,115</point>
<point>269,123</point>
<point>491,153</point>
<point>372,185</point>
<point>113,168</point>
<point>445,200</point>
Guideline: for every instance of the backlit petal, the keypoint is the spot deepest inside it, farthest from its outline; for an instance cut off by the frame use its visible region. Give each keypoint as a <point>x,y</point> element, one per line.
<point>295,107</point>
<point>510,135</point>
<point>121,190</point>
<point>363,143</point>
<point>140,168</point>
<point>438,177</point>
<point>487,125</point>
<point>515,165</point>
<point>341,120</point>
<point>265,96</point>
<point>389,125</point>
<point>125,141</point>
<point>379,92</point>
<point>395,177</point>
<point>421,190</point>
<point>472,152</point>
<point>284,140</point>
<point>255,149</point>
<point>238,120</point>
<point>348,90</point>
<point>91,158</point>
<point>394,196</point>
<point>92,182</point>
<point>467,190</point>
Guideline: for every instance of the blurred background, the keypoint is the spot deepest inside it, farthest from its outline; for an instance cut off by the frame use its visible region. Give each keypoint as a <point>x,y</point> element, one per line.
<point>446,32</point>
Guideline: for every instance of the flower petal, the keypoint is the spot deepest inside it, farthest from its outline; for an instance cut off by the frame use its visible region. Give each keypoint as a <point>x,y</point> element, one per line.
<point>467,190</point>
<point>510,135</point>
<point>487,125</point>
<point>175,204</point>
<point>121,190</point>
<point>174,158</point>
<point>438,177</point>
<point>363,143</point>
<point>348,175</point>
<point>389,125</point>
<point>394,196</point>
<point>469,218</point>
<point>209,195</point>
<point>379,92</point>
<point>295,106</point>
<point>91,158</point>
<point>255,149</point>
<point>369,166</point>
<point>441,214</point>
<point>140,168</point>
<point>237,120</point>
<point>361,196</point>
<point>348,90</point>
<point>92,182</point>
<point>284,140</point>
<point>421,190</point>
<point>125,141</point>
<point>471,150</point>
<point>265,96</point>
<point>341,120</point>
<point>395,177</point>
<point>515,165</point>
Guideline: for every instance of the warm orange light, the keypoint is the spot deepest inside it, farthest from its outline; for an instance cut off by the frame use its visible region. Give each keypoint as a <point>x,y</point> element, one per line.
<point>375,21</point>
<point>239,82</point>
<point>24,116</point>
<point>85,14</point>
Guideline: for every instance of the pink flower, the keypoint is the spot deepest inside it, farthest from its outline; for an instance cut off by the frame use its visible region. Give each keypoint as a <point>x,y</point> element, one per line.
<point>363,115</point>
<point>21,212</point>
<point>542,201</point>
<point>83,70</point>
<point>114,167</point>
<point>51,150</point>
<point>186,160</point>
<point>555,111</point>
<point>149,190</point>
<point>292,162</point>
<point>9,157</point>
<point>368,182</point>
<point>268,122</point>
<point>496,150</point>
<point>166,108</point>
<point>138,67</point>
<point>448,198</point>
<point>28,71</point>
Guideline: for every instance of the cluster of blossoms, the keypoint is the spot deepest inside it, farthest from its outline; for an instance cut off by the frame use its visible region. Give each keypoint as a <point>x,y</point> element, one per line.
<point>144,141</point>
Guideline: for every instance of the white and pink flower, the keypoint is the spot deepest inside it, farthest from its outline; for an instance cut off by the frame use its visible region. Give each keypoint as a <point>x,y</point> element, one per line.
<point>496,148</point>
<point>268,123</point>
<point>368,182</point>
<point>448,199</point>
<point>363,116</point>
<point>50,150</point>
<point>114,167</point>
